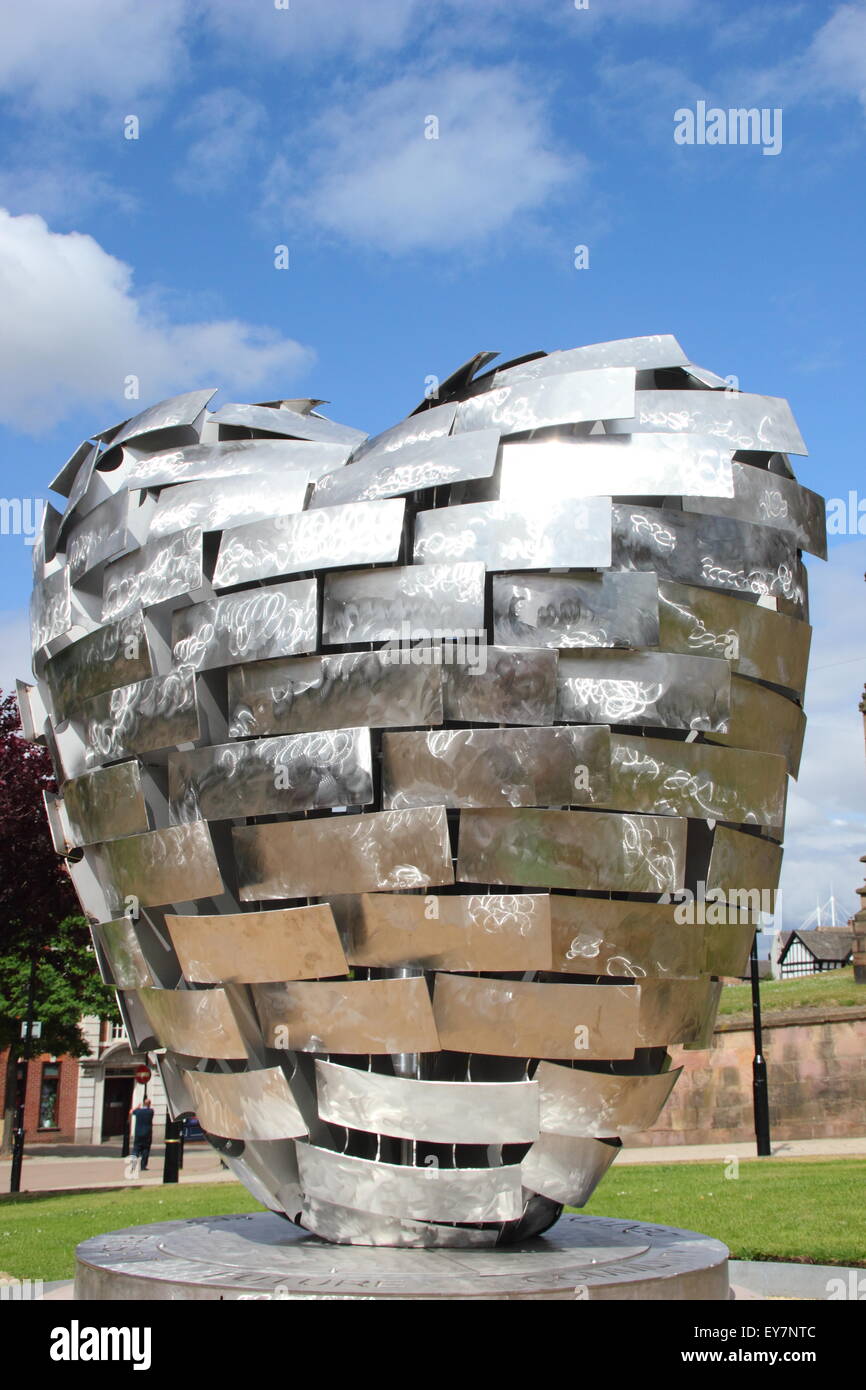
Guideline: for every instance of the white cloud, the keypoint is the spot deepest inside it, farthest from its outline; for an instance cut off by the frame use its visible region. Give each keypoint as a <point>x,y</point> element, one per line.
<point>225,125</point>
<point>72,329</point>
<point>826,831</point>
<point>315,28</point>
<point>836,58</point>
<point>375,178</point>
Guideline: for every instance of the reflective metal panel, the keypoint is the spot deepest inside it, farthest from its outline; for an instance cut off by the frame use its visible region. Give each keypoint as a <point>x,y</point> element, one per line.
<point>647,688</point>
<point>692,779</point>
<point>447,1112</point>
<point>348,1016</point>
<point>427,464</point>
<point>132,719</point>
<point>289,422</point>
<point>196,1022</point>
<point>272,621</point>
<point>765,721</point>
<point>496,767</point>
<point>106,804</point>
<point>554,399</point>
<point>516,1018</point>
<point>63,481</point>
<point>727,949</point>
<point>757,642</point>
<point>290,943</point>
<point>715,550</point>
<point>544,534</point>
<point>647,465</point>
<point>503,685</point>
<point>269,776</point>
<point>762,423</point>
<point>113,655</point>
<point>233,458</point>
<point>166,866</point>
<point>597,1104</point>
<point>572,849</point>
<point>678,1011</point>
<point>415,429</point>
<point>566,1169</point>
<point>99,536</point>
<point>358,534</point>
<point>644,354</point>
<point>740,861</point>
<point>167,414</point>
<point>344,1226</point>
<point>162,569</point>
<point>245,1105</point>
<point>214,504</point>
<point>579,610</point>
<point>119,941</point>
<point>595,936</point>
<point>346,854</point>
<point>504,931</point>
<point>50,609</point>
<point>407,603</point>
<point>421,1194</point>
<point>331,692</point>
<point>771,500</point>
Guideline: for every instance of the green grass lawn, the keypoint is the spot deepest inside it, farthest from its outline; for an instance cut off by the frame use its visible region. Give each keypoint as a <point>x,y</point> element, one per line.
<point>777,1209</point>
<point>811,1211</point>
<point>831,989</point>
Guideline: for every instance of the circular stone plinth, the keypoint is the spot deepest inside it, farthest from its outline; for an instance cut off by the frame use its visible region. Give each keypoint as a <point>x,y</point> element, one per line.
<point>262,1256</point>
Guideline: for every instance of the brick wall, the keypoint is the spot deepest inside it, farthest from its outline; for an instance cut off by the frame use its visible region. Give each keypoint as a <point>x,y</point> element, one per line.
<point>67,1095</point>
<point>816,1080</point>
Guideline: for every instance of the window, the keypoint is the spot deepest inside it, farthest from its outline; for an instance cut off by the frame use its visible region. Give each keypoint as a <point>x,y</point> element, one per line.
<point>48,1093</point>
<point>118,1032</point>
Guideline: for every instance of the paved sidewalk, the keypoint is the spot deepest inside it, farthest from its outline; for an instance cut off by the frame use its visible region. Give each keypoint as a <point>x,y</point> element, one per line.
<point>96,1168</point>
<point>709,1153</point>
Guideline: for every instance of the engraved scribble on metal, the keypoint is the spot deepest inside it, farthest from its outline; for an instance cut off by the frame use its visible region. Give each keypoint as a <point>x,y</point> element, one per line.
<point>660,465</point>
<point>643,687</point>
<point>359,533</point>
<point>597,1104</point>
<point>422,1194</point>
<point>446,1112</point>
<point>271,776</point>
<point>579,610</point>
<point>288,943</point>
<point>757,642</point>
<point>715,550</point>
<point>234,458</point>
<point>245,1105</point>
<point>133,719</point>
<point>420,790</point>
<point>593,936</point>
<point>196,1022</point>
<point>518,1018</point>
<point>542,534</point>
<point>406,604</point>
<point>764,721</point>
<point>501,685</point>
<point>215,503</point>
<point>489,767</point>
<point>302,694</point>
<point>275,620</point>
<point>353,854</point>
<point>435,463</point>
<point>176,865</point>
<point>581,850</point>
<point>688,779</point>
<point>376,1016</point>
<point>555,399</point>
<point>770,500</point>
<point>759,423</point>
<point>165,568</point>
<point>106,804</point>
<point>467,931</point>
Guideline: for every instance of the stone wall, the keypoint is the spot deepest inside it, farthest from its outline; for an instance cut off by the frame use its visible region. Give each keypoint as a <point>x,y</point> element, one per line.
<point>816,1070</point>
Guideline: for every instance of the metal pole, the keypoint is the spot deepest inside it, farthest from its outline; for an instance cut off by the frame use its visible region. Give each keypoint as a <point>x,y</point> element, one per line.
<point>171,1162</point>
<point>18,1132</point>
<point>759,1065</point>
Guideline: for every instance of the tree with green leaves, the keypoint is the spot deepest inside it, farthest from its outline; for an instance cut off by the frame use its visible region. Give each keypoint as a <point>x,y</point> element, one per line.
<point>42,935</point>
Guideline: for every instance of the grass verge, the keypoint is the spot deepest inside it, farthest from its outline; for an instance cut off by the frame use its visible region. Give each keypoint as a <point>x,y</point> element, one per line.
<point>832,989</point>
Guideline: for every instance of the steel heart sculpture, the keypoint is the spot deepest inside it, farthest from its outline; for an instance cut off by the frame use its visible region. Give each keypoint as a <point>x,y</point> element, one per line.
<point>419,789</point>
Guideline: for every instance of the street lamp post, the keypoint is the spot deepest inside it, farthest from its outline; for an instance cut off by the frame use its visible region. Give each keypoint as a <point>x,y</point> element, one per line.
<point>18,1132</point>
<point>759,1065</point>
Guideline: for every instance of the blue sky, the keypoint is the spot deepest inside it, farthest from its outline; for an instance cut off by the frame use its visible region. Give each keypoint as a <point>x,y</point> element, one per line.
<point>261,126</point>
